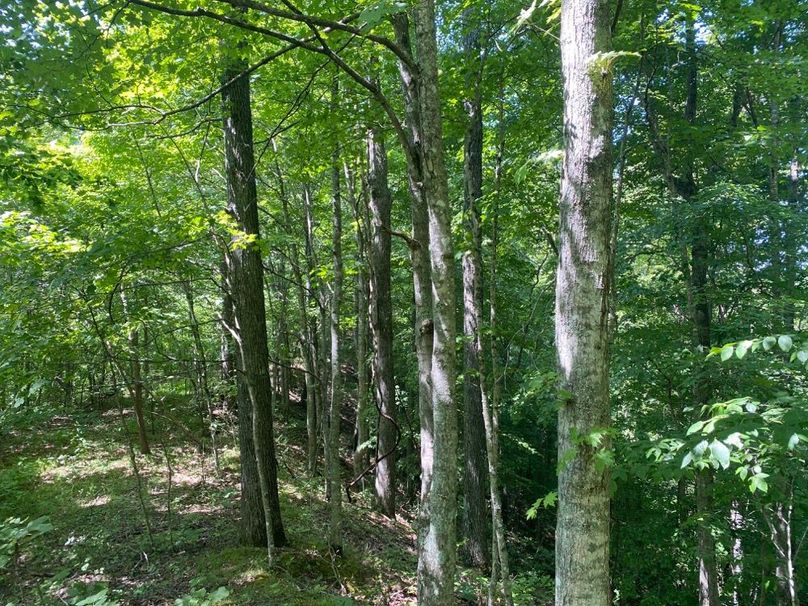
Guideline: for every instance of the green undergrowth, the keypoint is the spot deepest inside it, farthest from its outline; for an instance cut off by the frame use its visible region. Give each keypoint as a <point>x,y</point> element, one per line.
<point>75,469</point>
<point>70,477</point>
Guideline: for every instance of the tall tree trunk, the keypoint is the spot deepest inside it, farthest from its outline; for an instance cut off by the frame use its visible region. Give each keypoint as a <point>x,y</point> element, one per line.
<point>421,273</point>
<point>475,530</point>
<point>436,567</point>
<point>582,319</point>
<point>321,330</point>
<point>683,187</point>
<point>308,340</point>
<point>319,326</point>
<point>499,550</point>
<point>333,462</point>
<point>361,458</point>
<point>245,275</point>
<point>701,315</point>
<point>381,320</point>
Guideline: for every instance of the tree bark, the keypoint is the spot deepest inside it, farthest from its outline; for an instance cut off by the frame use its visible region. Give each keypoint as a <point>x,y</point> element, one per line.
<point>381,320</point>
<point>475,527</point>
<point>361,458</point>
<point>335,404</point>
<point>245,277</point>
<point>421,272</point>
<point>582,319</point>
<point>778,518</point>
<point>701,315</point>
<point>305,338</point>
<point>490,406</point>
<point>436,567</point>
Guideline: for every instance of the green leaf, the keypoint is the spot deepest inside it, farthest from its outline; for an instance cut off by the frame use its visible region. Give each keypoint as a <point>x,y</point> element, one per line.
<point>96,599</point>
<point>758,482</point>
<point>726,352</point>
<point>695,427</point>
<point>720,453</point>
<point>742,348</point>
<point>769,342</point>
<point>218,595</point>
<point>785,342</point>
<point>687,460</point>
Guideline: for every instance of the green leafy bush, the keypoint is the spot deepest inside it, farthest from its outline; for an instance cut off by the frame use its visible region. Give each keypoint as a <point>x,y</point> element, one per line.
<point>16,532</point>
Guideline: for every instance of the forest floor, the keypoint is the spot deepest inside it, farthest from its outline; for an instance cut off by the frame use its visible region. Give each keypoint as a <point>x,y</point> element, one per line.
<point>76,469</point>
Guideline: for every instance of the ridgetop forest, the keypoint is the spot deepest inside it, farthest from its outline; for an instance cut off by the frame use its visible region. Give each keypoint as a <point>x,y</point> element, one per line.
<point>398,302</point>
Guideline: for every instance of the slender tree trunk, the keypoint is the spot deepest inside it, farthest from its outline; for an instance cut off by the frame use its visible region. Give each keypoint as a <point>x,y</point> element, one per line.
<point>201,367</point>
<point>335,407</point>
<point>283,345</point>
<point>475,531</point>
<point>436,568</point>
<point>227,373</point>
<point>695,268</point>
<point>361,458</point>
<point>381,320</point>
<point>245,275</point>
<point>791,244</point>
<point>321,331</point>
<point>308,346</point>
<point>737,523</point>
<point>319,326</point>
<point>135,384</point>
<point>701,315</point>
<point>778,518</point>
<point>490,406</point>
<point>582,319</point>
<point>137,391</point>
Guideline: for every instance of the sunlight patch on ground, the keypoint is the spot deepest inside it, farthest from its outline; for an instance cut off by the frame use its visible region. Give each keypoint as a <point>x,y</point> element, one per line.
<point>95,502</point>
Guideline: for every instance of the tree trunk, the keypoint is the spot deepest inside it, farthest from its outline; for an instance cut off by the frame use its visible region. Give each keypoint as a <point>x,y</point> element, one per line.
<point>701,316</point>
<point>319,332</point>
<point>476,532</point>
<point>135,384</point>
<point>201,368</point>
<point>361,458</point>
<point>778,518</point>
<point>137,391</point>
<point>582,319</point>
<point>381,320</point>
<point>308,345</point>
<point>436,567</point>
<point>245,275</point>
<point>684,187</point>
<point>421,273</point>
<point>490,406</point>
<point>335,405</point>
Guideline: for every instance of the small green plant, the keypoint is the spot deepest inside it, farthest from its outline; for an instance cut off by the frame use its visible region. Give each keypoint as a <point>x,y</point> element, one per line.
<point>98,598</point>
<point>203,597</point>
<point>15,533</point>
